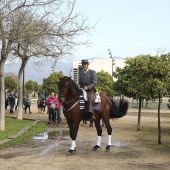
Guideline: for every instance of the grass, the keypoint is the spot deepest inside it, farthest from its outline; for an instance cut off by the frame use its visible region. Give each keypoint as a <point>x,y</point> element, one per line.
<point>149,137</point>
<point>13,126</point>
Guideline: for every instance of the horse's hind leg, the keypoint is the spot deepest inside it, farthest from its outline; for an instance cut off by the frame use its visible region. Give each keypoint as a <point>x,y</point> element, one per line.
<point>109,131</point>
<point>99,133</point>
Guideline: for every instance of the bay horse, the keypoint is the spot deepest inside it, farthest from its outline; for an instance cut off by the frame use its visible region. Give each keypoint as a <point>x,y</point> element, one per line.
<point>41,104</point>
<point>109,109</point>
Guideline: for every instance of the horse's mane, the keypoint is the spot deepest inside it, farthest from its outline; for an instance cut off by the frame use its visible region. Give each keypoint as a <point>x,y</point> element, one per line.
<point>74,85</point>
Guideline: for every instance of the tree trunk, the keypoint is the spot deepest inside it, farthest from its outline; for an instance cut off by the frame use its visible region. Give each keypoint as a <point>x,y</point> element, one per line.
<point>146,103</point>
<point>20,87</point>
<point>159,124</point>
<point>139,114</point>
<point>20,95</point>
<point>2,96</point>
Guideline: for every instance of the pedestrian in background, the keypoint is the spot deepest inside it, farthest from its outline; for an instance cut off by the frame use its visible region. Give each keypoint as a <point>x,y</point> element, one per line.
<point>16,101</point>
<point>6,98</point>
<point>58,108</point>
<point>11,99</point>
<point>51,104</point>
<point>27,104</point>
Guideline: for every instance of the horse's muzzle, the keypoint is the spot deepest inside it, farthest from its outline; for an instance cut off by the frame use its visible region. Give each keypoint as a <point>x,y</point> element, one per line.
<point>61,99</point>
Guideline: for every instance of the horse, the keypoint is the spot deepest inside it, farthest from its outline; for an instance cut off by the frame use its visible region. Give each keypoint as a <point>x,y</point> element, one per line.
<point>41,105</point>
<point>69,94</point>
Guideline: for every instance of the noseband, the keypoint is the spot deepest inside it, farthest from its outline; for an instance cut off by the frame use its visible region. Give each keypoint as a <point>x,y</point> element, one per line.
<point>67,102</point>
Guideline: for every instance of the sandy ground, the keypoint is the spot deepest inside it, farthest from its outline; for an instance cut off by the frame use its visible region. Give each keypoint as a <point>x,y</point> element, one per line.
<point>127,151</point>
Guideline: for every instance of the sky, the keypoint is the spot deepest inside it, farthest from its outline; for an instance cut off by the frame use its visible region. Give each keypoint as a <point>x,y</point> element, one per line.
<point>127,27</point>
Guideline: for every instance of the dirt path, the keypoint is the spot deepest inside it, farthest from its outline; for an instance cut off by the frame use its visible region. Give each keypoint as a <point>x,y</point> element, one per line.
<point>127,151</point>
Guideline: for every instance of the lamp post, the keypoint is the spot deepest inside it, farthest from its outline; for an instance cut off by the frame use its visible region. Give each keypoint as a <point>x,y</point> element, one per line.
<point>53,66</point>
<point>110,55</point>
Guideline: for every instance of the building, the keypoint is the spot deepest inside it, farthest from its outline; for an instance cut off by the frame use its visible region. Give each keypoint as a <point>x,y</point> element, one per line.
<point>97,65</point>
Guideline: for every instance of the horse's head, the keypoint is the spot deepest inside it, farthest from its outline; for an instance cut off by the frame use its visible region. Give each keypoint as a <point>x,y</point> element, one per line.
<point>63,87</point>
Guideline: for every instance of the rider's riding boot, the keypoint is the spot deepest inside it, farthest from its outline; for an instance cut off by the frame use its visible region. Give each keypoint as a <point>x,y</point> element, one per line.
<point>93,117</point>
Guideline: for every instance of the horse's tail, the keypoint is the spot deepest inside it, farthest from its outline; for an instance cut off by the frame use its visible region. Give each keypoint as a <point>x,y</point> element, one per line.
<point>119,108</point>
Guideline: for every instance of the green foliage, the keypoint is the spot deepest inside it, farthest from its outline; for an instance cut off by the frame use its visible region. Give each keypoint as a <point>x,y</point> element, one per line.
<point>105,83</point>
<point>10,83</point>
<point>31,86</point>
<point>50,84</point>
<point>144,77</point>
<point>39,87</point>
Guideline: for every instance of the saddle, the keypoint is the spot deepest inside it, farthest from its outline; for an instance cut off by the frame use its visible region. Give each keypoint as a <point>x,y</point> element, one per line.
<point>83,98</point>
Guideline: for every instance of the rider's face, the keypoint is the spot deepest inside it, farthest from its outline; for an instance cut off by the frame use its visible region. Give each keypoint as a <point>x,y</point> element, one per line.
<point>85,66</point>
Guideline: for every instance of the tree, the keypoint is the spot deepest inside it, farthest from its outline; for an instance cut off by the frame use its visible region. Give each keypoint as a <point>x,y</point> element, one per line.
<point>11,74</point>
<point>105,83</point>
<point>50,83</point>
<point>8,38</point>
<point>31,86</point>
<point>42,36</point>
<point>145,77</point>
<point>28,33</point>
<point>10,83</point>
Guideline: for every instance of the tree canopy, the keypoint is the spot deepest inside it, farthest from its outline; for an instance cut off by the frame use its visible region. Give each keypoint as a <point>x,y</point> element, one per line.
<point>105,83</point>
<point>10,83</point>
<point>50,84</point>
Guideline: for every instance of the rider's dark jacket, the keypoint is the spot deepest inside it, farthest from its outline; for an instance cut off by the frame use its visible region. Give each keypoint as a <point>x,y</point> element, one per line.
<point>88,79</point>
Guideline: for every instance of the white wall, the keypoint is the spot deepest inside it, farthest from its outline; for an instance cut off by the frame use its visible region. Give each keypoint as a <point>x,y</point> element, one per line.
<point>102,64</point>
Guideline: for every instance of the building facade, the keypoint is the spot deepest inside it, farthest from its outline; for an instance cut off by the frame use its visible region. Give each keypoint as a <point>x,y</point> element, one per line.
<point>97,65</point>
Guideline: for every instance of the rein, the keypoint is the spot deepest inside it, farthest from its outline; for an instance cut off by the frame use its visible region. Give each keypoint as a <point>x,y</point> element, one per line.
<point>71,100</point>
<point>71,107</point>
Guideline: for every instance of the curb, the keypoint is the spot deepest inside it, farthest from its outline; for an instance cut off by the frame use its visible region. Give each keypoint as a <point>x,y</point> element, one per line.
<point>20,132</point>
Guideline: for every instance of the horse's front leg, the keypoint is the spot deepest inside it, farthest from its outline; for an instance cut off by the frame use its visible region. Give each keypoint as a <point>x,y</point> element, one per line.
<point>73,134</point>
<point>99,133</point>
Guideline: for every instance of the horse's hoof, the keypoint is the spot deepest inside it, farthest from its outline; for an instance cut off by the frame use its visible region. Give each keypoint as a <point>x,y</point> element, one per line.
<point>95,148</point>
<point>107,148</point>
<point>71,152</point>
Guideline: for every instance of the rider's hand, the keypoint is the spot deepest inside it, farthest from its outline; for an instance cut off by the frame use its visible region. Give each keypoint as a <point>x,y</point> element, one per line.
<point>85,88</point>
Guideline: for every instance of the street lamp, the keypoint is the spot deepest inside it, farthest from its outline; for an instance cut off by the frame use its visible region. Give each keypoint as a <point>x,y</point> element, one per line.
<point>110,55</point>
<point>53,66</point>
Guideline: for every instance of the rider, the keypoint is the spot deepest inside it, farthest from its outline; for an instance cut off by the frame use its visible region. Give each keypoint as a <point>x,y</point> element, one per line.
<point>41,97</point>
<point>88,81</point>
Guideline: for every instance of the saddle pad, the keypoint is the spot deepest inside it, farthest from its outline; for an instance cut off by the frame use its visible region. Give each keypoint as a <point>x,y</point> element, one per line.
<point>97,99</point>
<point>82,102</point>
<point>84,94</point>
<point>96,107</point>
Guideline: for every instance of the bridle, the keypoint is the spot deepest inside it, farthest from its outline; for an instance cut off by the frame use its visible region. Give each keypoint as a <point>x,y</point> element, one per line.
<point>76,99</point>
<point>71,100</point>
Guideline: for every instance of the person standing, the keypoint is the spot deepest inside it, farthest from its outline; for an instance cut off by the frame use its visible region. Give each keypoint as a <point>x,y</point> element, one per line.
<point>58,108</point>
<point>6,98</point>
<point>88,81</point>
<point>27,104</point>
<point>16,101</point>
<point>12,97</point>
<point>51,104</point>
